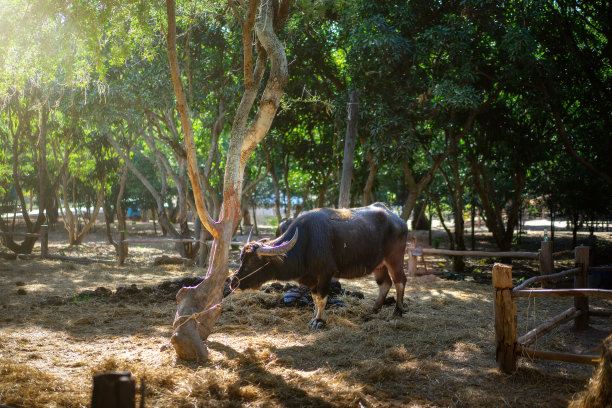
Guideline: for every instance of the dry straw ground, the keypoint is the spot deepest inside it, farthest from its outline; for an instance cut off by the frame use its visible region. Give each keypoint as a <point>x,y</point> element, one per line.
<point>439,354</point>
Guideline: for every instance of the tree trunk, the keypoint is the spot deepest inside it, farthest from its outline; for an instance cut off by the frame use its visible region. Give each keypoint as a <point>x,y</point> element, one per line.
<point>369,184</point>
<point>288,194</point>
<point>275,184</point>
<point>493,210</point>
<point>349,150</point>
<point>199,307</point>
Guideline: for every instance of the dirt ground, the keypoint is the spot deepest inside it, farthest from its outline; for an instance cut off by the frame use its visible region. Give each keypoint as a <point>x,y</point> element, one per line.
<point>57,331</point>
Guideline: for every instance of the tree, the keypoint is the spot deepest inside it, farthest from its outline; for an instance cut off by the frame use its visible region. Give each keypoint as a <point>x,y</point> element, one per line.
<point>199,306</point>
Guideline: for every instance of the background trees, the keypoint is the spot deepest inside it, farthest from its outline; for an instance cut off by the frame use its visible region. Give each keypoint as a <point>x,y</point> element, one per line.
<point>494,103</point>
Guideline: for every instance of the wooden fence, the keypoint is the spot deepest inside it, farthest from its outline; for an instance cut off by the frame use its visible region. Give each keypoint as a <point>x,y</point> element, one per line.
<point>201,254</point>
<point>545,256</point>
<point>508,345</point>
<point>43,236</point>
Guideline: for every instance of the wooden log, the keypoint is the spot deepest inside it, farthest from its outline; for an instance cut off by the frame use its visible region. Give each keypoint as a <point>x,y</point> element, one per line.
<point>21,234</point>
<point>79,260</point>
<point>232,243</point>
<point>510,254</point>
<point>505,318</point>
<point>599,293</point>
<point>556,356</point>
<point>412,260</point>
<point>547,326</point>
<point>168,260</point>
<point>581,280</point>
<point>44,241</point>
<point>159,240</point>
<point>553,276</point>
<point>113,390</point>
<point>546,262</point>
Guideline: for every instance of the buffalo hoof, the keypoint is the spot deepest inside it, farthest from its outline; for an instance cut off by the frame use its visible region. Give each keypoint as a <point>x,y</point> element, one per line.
<point>398,312</point>
<point>317,324</point>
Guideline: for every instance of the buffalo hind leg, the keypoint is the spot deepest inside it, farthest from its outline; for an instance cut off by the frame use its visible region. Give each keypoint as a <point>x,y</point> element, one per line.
<point>395,264</point>
<point>384,284</point>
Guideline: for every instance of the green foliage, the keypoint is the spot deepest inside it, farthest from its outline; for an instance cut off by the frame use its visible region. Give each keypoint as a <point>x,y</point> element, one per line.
<point>100,69</point>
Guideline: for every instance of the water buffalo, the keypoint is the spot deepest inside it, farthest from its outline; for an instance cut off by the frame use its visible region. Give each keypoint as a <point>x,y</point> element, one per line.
<point>325,243</point>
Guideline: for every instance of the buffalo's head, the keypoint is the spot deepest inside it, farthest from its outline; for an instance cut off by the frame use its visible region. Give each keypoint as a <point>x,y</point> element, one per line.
<point>254,258</point>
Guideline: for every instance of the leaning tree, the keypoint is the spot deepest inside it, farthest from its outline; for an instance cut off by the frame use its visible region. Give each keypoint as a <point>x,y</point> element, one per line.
<point>200,306</point>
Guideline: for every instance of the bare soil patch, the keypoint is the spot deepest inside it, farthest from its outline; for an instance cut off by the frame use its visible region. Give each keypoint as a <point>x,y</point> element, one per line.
<point>441,353</point>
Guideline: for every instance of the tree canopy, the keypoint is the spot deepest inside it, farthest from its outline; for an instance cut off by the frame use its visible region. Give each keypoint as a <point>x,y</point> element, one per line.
<point>210,107</point>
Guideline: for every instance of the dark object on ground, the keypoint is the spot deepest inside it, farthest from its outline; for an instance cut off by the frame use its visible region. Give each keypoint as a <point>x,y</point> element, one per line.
<point>173,260</point>
<point>114,390</point>
<point>601,279</point>
<point>300,296</point>
<point>8,256</point>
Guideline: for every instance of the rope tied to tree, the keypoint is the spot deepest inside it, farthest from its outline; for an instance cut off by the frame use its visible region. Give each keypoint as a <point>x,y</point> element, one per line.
<point>184,319</point>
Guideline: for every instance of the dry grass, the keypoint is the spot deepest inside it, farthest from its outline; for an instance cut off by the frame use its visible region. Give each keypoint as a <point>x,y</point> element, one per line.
<point>439,354</point>
<point>599,391</point>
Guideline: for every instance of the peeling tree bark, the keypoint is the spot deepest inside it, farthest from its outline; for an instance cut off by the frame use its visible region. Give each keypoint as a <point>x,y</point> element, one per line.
<point>199,307</point>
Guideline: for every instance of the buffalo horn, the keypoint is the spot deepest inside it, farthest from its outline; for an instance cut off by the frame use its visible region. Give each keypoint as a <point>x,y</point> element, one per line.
<point>249,237</point>
<point>278,249</point>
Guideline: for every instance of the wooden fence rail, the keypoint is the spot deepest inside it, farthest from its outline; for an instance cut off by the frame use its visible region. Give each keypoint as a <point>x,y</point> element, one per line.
<point>509,346</point>
<point>545,257</point>
<point>43,236</point>
<point>124,243</point>
<point>509,254</point>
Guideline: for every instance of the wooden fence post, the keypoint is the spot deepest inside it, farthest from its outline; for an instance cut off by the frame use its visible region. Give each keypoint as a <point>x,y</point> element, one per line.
<point>546,262</point>
<point>113,390</point>
<point>505,318</point>
<point>412,260</point>
<point>44,241</point>
<point>122,249</point>
<point>581,280</point>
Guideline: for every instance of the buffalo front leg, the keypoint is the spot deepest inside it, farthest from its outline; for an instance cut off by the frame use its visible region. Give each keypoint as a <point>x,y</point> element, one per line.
<point>318,321</point>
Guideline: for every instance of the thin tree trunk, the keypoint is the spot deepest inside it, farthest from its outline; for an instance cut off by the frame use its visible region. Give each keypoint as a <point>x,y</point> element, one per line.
<point>349,150</point>
<point>199,307</point>
<point>367,188</point>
